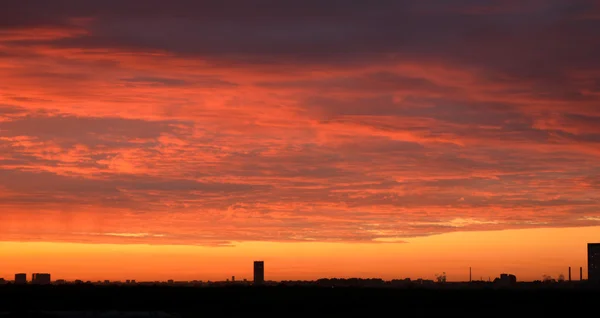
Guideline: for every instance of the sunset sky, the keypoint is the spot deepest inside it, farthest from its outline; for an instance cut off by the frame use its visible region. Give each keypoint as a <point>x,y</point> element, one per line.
<point>156,140</point>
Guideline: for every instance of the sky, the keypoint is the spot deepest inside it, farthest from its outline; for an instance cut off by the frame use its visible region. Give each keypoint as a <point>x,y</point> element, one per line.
<point>329,138</point>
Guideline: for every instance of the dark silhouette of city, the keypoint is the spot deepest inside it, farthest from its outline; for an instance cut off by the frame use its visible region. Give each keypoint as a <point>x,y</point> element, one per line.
<point>500,297</point>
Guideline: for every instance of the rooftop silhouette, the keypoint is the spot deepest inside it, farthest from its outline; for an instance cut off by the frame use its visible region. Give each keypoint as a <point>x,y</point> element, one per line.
<point>505,280</point>
<point>499,297</point>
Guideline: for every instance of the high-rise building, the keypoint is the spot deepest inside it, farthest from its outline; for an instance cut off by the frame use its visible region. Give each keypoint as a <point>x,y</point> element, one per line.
<point>40,278</point>
<point>21,278</point>
<point>259,272</point>
<point>594,262</point>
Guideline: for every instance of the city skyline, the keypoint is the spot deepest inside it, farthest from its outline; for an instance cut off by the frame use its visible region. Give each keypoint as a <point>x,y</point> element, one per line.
<point>391,138</point>
<point>258,274</point>
<point>259,278</point>
<point>502,279</point>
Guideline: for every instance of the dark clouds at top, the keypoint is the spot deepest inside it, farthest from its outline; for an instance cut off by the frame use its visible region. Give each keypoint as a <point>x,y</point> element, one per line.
<point>526,38</point>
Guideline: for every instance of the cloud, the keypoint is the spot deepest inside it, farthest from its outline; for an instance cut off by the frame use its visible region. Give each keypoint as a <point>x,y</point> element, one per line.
<point>217,122</point>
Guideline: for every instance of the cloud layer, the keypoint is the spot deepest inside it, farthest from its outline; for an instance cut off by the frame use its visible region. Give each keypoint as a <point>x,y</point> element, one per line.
<point>224,121</point>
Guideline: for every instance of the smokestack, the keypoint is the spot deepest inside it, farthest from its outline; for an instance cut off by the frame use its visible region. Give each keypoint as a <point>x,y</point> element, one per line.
<point>569,273</point>
<point>580,273</point>
<point>470,277</point>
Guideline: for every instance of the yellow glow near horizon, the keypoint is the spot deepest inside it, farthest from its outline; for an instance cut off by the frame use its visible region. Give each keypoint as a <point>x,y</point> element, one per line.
<point>529,254</point>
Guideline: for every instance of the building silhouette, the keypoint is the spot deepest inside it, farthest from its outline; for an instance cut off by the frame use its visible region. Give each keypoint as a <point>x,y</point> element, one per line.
<point>21,278</point>
<point>40,278</point>
<point>594,262</point>
<point>506,280</point>
<point>259,272</point>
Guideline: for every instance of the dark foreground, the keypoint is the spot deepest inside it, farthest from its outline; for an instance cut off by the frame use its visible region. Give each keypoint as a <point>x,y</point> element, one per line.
<point>162,301</point>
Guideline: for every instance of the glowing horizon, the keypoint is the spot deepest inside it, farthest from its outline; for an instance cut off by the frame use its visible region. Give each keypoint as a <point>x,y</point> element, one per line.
<point>489,253</point>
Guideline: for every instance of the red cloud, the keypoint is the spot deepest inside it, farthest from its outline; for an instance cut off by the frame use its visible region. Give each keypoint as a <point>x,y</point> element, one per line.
<point>165,136</point>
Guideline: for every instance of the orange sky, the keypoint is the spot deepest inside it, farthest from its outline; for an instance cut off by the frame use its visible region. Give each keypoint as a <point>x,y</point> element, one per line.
<point>529,254</point>
<point>205,127</point>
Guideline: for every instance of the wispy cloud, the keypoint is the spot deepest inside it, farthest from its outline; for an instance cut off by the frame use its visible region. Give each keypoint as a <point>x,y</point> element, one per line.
<point>126,234</point>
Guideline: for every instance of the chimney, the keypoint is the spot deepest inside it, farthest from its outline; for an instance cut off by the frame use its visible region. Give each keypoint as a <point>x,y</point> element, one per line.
<point>470,276</point>
<point>569,273</point>
<point>580,273</point>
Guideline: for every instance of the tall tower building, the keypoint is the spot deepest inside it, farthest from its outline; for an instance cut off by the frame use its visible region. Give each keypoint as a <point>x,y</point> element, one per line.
<point>259,272</point>
<point>594,262</point>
